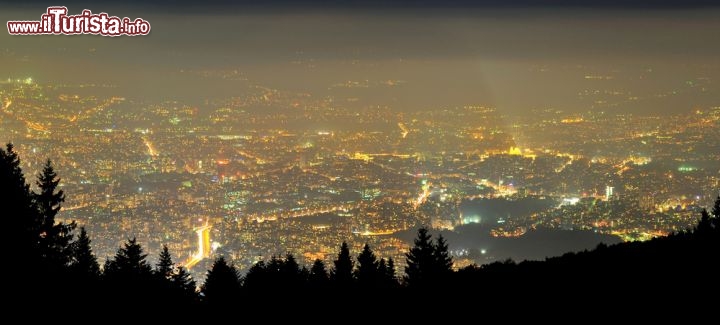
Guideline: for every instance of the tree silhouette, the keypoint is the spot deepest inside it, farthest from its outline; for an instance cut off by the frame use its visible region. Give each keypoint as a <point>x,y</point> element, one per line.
<point>84,271</point>
<point>318,277</point>
<point>165,265</point>
<point>54,239</point>
<point>342,273</point>
<point>22,217</point>
<point>184,284</point>
<point>290,273</point>
<point>705,225</point>
<point>222,285</point>
<point>108,265</point>
<point>420,260</point>
<point>128,274</point>
<point>274,274</point>
<point>129,262</point>
<point>382,268</point>
<point>278,274</point>
<point>391,273</point>
<point>304,275</point>
<point>443,260</point>
<point>428,263</point>
<point>367,273</point>
<point>273,267</point>
<point>386,273</point>
<point>164,272</point>
<point>256,277</point>
<point>83,262</point>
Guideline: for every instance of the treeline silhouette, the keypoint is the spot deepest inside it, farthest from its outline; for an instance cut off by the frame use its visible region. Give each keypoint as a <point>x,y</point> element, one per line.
<point>51,261</point>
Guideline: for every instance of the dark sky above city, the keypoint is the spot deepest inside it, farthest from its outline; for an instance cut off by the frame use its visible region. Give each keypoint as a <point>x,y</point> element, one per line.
<point>515,55</point>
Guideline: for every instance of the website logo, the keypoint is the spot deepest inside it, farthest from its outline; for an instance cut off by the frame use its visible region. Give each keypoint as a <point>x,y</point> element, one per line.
<point>57,22</point>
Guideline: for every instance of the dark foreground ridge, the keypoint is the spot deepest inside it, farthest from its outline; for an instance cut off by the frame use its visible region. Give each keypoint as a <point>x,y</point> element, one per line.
<point>51,265</point>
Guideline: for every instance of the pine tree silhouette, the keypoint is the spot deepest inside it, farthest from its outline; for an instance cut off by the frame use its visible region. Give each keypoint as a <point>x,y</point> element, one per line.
<point>165,265</point>
<point>367,273</point>
<point>290,273</point>
<point>273,267</point>
<point>256,277</point>
<point>164,271</point>
<point>342,273</point>
<point>107,265</point>
<point>705,225</point>
<point>83,262</point>
<point>391,274</point>
<point>443,260</point>
<point>222,285</point>
<point>420,260</point>
<point>386,273</point>
<point>184,284</point>
<point>54,238</point>
<point>84,272</point>
<point>382,269</point>
<point>304,275</point>
<point>22,217</point>
<point>130,260</point>
<point>128,274</point>
<point>41,249</point>
<point>318,277</point>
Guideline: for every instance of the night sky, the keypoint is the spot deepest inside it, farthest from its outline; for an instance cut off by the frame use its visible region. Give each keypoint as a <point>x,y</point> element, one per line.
<point>515,55</point>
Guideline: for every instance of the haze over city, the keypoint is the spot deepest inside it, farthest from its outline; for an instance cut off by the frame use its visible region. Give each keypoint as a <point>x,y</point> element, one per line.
<point>254,130</point>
